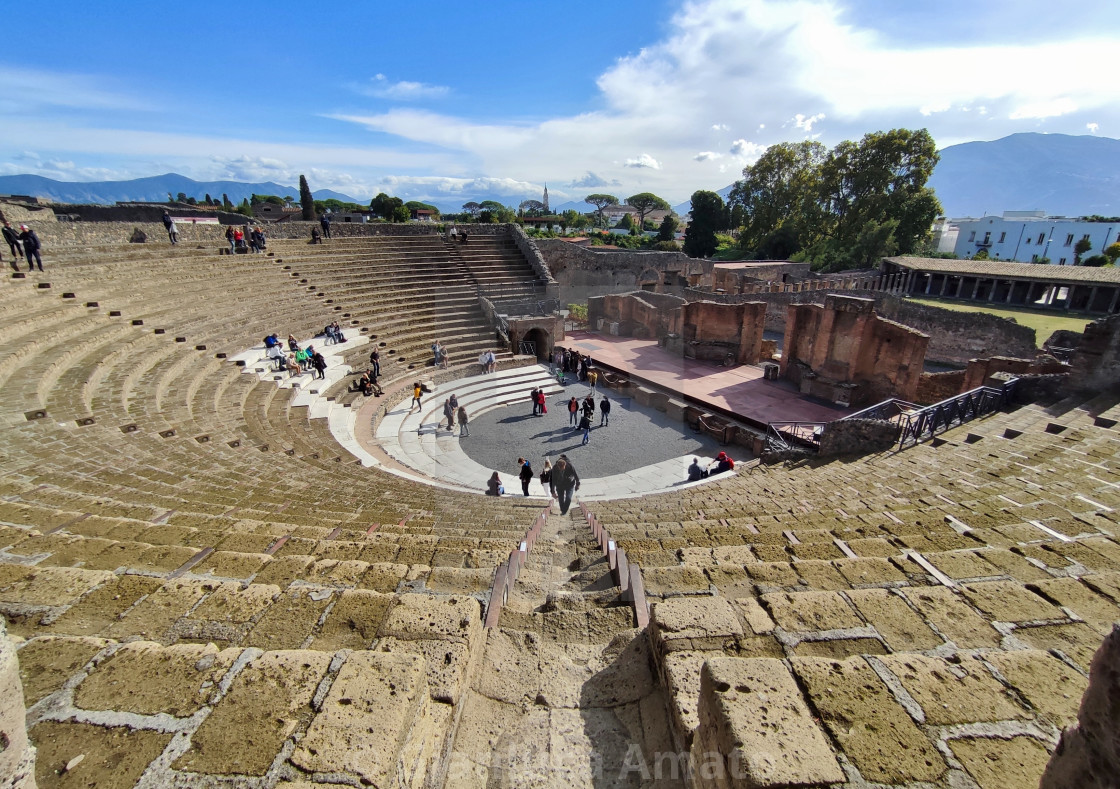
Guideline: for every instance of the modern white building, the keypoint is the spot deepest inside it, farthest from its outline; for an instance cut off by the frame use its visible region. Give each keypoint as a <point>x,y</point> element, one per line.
<point>1031,236</point>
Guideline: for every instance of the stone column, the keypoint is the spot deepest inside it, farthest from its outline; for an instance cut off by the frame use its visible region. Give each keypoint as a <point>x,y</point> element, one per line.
<point>944,285</point>
<point>976,289</point>
<point>1092,298</point>
<point>1010,291</point>
<point>17,757</point>
<point>1112,304</point>
<point>929,282</point>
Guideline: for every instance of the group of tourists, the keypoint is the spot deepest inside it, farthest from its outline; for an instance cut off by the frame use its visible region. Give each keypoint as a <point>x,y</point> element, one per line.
<point>457,235</point>
<point>295,360</point>
<point>722,463</point>
<point>452,410</point>
<point>366,383</point>
<point>561,480</point>
<point>488,361</point>
<point>24,246</point>
<point>238,239</point>
<point>439,355</point>
<point>567,361</point>
<point>581,415</point>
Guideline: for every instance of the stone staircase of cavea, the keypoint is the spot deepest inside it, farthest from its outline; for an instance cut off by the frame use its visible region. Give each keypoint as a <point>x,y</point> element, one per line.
<point>202,587</point>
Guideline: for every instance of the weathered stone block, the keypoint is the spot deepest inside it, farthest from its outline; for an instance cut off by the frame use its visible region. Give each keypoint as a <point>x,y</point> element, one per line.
<point>752,715</point>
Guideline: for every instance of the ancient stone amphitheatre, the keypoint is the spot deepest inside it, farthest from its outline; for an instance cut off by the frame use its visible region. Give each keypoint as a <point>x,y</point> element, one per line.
<point>214,578</point>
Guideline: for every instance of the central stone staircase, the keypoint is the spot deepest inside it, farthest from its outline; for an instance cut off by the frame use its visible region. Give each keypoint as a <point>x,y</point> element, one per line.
<point>566,695</point>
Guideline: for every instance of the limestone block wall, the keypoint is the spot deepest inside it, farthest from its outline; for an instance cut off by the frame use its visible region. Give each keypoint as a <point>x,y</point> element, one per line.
<point>583,272</point>
<point>17,755</point>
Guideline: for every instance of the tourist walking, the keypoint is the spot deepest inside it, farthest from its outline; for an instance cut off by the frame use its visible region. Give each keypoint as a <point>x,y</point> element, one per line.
<point>449,412</point>
<point>526,475</point>
<point>375,362</point>
<point>463,421</point>
<point>542,402</point>
<point>31,247</point>
<point>592,377</point>
<point>573,411</point>
<point>546,477</point>
<point>565,480</point>
<point>533,397</point>
<point>415,397</point>
<point>172,231</point>
<point>12,239</point>
<point>604,411</point>
<point>585,426</point>
<point>325,223</point>
<point>319,362</point>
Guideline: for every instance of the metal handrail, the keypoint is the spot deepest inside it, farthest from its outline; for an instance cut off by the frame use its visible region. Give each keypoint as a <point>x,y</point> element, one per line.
<point>916,423</point>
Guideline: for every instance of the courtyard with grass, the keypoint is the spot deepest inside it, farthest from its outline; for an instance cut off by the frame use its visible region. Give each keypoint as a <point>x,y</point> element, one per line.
<point>1044,322</point>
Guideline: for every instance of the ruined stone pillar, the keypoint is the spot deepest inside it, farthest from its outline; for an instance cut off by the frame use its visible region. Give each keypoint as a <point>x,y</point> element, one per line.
<point>1112,304</point>
<point>1010,291</point>
<point>1092,298</point>
<point>944,285</point>
<point>17,755</point>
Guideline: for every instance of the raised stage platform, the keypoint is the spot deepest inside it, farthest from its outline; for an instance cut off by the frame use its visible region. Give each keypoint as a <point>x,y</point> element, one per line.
<point>739,391</point>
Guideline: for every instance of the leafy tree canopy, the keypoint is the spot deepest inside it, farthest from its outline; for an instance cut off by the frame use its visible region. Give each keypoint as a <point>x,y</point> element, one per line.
<point>385,206</point>
<point>668,229</point>
<point>644,202</point>
<point>844,207</point>
<point>600,201</point>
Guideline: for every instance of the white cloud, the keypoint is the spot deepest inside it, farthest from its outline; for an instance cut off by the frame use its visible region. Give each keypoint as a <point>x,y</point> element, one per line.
<point>746,149</point>
<point>721,127</point>
<point>644,160</point>
<point>382,87</point>
<point>591,181</point>
<point>1044,109</point>
<point>705,156</point>
<point>1092,127</point>
<point>806,123</point>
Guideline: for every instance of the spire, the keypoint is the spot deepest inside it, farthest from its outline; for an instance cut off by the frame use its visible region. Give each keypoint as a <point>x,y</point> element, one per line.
<point>545,201</point>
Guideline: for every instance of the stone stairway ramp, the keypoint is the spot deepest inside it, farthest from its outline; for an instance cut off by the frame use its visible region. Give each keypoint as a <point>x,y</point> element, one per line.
<point>565,695</point>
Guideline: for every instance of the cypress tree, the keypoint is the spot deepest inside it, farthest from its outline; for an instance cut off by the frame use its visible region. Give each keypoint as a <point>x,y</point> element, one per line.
<point>306,201</point>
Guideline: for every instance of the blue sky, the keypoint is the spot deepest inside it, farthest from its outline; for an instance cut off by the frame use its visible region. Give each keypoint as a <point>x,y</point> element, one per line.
<point>442,100</point>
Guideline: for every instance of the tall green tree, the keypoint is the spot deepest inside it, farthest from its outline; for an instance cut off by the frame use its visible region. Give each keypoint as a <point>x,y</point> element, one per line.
<point>708,217</point>
<point>644,202</point>
<point>840,208</point>
<point>668,229</point>
<point>601,201</point>
<point>779,194</point>
<point>306,201</point>
<point>472,208</point>
<point>226,204</point>
<point>881,179</point>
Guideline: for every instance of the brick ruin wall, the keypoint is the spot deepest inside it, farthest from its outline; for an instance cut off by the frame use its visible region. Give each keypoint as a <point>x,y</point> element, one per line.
<point>844,343</point>
<point>1096,363</point>
<point>955,337</point>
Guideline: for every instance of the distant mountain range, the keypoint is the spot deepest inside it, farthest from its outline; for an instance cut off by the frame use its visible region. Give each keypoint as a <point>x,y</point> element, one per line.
<point>151,189</point>
<point>1062,174</point>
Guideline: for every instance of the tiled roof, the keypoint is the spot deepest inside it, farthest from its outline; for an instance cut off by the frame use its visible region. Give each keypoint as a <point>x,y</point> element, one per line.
<point>1041,272</point>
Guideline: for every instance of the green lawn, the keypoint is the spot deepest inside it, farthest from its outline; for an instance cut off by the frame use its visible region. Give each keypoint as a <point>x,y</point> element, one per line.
<point>1044,323</point>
